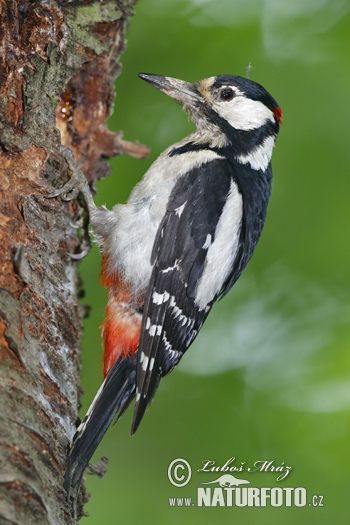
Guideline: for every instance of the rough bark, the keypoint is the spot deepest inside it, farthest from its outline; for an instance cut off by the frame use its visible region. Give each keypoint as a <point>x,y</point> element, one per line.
<point>57,63</point>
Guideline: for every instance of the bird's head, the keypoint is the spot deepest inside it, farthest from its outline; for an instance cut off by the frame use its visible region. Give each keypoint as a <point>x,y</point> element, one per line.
<point>226,102</point>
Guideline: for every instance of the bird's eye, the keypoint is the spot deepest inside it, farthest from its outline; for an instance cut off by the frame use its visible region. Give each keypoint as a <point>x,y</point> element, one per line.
<point>226,94</point>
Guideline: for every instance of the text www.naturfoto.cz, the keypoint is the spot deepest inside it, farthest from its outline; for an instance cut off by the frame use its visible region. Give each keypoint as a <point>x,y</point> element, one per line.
<point>248,497</point>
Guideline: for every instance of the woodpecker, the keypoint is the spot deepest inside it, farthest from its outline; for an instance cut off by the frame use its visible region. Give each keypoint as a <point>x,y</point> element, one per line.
<point>180,243</point>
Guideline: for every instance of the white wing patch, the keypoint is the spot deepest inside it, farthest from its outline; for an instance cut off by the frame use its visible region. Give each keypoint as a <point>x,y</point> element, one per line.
<point>222,251</point>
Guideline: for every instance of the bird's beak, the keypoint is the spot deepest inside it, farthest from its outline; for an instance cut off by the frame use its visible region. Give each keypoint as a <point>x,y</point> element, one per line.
<point>184,92</point>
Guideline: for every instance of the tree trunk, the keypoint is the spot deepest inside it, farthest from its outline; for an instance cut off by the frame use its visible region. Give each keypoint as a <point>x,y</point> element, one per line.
<point>57,63</point>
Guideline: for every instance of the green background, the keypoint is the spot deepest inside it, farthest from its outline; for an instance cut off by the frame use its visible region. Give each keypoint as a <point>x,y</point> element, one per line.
<point>268,376</point>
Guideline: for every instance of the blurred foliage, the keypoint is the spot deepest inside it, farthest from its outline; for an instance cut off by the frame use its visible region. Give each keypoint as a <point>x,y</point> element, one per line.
<point>268,376</point>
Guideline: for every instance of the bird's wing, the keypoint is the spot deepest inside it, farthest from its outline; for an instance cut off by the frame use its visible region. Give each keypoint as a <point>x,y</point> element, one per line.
<point>256,198</point>
<point>171,318</point>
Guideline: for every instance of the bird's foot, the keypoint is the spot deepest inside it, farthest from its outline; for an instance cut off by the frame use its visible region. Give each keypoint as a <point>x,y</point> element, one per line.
<point>77,183</point>
<point>77,186</point>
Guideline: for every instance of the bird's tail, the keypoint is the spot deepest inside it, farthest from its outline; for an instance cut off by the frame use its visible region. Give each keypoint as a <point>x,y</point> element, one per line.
<point>115,395</point>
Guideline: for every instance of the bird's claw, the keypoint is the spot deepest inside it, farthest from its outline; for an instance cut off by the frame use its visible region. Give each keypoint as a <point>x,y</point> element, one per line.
<point>78,221</point>
<point>73,195</point>
<point>79,256</point>
<point>66,194</point>
<point>85,247</point>
<point>76,186</point>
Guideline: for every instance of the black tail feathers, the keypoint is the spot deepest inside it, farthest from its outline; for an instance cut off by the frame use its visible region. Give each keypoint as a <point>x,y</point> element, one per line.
<point>115,394</point>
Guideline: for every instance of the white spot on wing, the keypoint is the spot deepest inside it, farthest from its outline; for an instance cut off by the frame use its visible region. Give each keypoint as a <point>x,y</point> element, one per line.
<point>180,209</point>
<point>178,313</point>
<point>155,329</point>
<point>175,267</point>
<point>207,242</point>
<point>172,354</point>
<point>144,361</point>
<point>138,395</point>
<point>260,156</point>
<point>191,337</point>
<point>222,252</point>
<point>166,342</point>
<point>159,298</point>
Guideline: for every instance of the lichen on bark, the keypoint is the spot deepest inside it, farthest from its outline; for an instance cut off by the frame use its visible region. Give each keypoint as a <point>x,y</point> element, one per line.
<point>58,61</point>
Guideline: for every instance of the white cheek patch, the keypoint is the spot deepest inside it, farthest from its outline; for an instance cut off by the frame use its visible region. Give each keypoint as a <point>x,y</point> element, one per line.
<point>244,113</point>
<point>260,156</point>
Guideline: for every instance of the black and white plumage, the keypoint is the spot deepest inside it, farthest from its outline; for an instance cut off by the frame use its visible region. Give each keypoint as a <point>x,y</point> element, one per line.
<point>214,217</point>
<point>182,240</point>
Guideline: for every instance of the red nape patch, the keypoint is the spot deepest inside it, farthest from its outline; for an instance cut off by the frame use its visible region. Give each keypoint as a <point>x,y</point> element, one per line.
<point>278,114</point>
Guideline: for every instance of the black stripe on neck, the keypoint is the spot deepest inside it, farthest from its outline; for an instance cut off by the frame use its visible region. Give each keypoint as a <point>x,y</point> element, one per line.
<point>240,142</point>
<point>186,148</point>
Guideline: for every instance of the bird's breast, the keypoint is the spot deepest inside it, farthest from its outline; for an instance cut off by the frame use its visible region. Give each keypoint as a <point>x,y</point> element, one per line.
<point>139,219</point>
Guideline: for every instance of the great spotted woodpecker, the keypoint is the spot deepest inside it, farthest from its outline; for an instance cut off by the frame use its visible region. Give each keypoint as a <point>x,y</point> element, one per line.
<point>180,242</point>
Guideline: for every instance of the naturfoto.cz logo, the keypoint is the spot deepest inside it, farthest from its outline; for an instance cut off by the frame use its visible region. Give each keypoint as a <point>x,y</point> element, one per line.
<point>233,491</point>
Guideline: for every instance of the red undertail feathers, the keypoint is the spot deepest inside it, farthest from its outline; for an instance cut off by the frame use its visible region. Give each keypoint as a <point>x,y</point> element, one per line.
<point>122,324</point>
